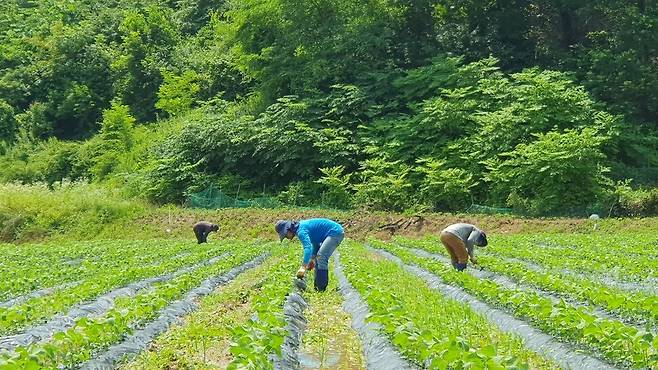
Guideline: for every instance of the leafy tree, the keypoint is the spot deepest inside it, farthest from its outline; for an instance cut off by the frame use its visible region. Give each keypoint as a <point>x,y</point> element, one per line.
<point>114,138</point>
<point>337,187</point>
<point>148,38</point>
<point>383,185</point>
<point>444,189</point>
<point>557,173</point>
<point>8,127</point>
<point>177,93</point>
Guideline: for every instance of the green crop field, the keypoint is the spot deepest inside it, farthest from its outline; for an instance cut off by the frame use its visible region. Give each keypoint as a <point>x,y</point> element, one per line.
<point>536,301</point>
<point>125,123</point>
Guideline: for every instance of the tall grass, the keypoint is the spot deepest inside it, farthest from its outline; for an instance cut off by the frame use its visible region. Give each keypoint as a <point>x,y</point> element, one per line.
<point>29,212</point>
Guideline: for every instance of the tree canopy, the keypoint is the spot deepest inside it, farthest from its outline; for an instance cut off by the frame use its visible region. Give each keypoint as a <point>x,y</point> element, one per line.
<point>390,104</point>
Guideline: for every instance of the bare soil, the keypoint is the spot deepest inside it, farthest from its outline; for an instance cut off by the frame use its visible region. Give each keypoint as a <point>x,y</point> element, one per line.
<point>329,341</point>
<point>259,223</point>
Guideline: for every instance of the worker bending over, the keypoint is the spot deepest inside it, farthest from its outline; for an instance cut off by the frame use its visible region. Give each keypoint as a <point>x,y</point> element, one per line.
<point>202,229</point>
<point>319,237</point>
<point>459,240</point>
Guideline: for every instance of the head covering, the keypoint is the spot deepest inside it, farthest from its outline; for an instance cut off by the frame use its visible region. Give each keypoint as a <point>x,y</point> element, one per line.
<point>282,227</point>
<point>482,240</point>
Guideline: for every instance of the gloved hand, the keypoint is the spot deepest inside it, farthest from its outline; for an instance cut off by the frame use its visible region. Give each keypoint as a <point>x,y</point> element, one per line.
<point>311,265</point>
<point>461,266</point>
<point>301,272</point>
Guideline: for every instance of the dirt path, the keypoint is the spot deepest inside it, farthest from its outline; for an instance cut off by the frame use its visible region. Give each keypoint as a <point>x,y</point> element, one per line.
<point>329,341</point>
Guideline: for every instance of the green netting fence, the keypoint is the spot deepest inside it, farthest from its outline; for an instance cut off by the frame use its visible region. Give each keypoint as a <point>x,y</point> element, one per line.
<point>571,212</point>
<point>213,197</point>
<point>477,208</point>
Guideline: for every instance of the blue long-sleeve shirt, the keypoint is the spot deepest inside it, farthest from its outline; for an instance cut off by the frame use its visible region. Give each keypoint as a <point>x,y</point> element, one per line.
<point>313,232</point>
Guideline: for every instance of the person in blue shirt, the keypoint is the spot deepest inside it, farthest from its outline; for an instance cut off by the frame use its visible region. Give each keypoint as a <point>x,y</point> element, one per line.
<point>319,237</point>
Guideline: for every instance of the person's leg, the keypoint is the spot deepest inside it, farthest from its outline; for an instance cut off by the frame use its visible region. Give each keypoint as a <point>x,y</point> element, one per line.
<point>327,248</point>
<point>197,234</point>
<point>202,237</point>
<point>446,240</point>
<point>458,249</point>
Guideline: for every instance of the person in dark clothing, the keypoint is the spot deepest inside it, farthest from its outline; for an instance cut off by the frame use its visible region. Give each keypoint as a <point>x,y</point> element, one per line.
<point>202,229</point>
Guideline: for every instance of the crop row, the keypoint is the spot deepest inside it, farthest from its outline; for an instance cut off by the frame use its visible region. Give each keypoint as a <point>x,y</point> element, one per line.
<point>89,336</point>
<point>429,329</point>
<point>205,335</point>
<point>637,307</point>
<point>35,310</point>
<point>618,343</point>
<point>242,325</point>
<point>39,266</point>
<point>619,245</point>
<point>601,257</point>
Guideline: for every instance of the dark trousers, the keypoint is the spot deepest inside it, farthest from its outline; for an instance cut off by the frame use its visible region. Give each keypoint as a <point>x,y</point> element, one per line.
<point>201,236</point>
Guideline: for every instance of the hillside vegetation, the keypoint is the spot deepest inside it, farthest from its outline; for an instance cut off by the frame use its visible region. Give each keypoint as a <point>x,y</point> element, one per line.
<point>546,107</point>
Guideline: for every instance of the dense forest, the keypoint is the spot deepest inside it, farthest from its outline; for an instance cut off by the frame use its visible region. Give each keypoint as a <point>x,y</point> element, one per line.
<point>547,107</point>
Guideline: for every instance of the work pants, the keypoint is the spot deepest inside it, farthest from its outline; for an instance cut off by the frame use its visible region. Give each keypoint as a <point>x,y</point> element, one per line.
<point>455,247</point>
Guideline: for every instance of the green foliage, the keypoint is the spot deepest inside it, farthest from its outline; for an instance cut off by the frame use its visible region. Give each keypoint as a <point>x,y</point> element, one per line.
<point>383,185</point>
<point>8,127</point>
<point>635,202</point>
<point>113,140</point>
<point>148,37</point>
<point>337,187</point>
<point>444,188</point>
<point>556,173</point>
<point>47,161</point>
<point>34,123</point>
<point>177,93</point>
<point>273,91</point>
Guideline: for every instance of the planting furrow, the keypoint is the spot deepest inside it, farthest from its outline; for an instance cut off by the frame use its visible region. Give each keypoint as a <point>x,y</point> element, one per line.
<point>44,266</point>
<point>618,343</point>
<point>293,313</point>
<point>203,338</point>
<point>36,311</point>
<point>543,344</point>
<point>647,286</point>
<point>634,309</point>
<point>98,307</point>
<point>136,342</point>
<point>329,340</point>
<point>513,284</point>
<point>38,293</point>
<point>378,351</point>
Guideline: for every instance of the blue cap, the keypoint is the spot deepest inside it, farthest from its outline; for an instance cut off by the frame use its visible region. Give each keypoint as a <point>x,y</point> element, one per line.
<point>282,227</point>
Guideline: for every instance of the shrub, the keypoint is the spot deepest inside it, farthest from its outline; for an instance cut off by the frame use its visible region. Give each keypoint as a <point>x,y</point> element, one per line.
<point>114,139</point>
<point>8,127</point>
<point>336,187</point>
<point>444,188</point>
<point>557,173</point>
<point>635,202</point>
<point>384,185</point>
<point>177,93</point>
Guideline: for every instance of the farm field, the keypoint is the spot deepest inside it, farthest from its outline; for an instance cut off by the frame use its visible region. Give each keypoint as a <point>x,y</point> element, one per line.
<point>540,301</point>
